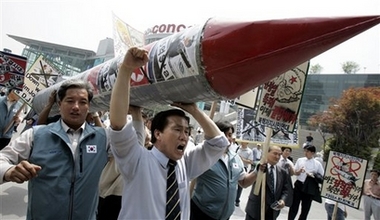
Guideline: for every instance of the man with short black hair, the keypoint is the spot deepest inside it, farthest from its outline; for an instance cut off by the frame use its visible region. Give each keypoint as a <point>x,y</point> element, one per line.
<point>62,161</point>
<point>309,139</point>
<point>223,177</point>
<point>158,179</point>
<point>308,171</point>
<point>9,106</point>
<point>285,162</point>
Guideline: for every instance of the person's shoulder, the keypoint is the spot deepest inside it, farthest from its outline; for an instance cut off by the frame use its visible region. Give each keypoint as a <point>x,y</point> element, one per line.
<point>99,129</point>
<point>281,169</point>
<point>53,119</point>
<point>232,153</point>
<point>37,128</point>
<point>318,160</point>
<point>301,159</point>
<point>278,166</point>
<point>289,161</point>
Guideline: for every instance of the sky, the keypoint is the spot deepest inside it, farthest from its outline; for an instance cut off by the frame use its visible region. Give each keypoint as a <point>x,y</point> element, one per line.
<point>82,24</point>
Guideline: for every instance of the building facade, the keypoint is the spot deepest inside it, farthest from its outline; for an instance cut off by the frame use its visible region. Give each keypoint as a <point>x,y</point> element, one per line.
<point>320,88</point>
<point>69,60</point>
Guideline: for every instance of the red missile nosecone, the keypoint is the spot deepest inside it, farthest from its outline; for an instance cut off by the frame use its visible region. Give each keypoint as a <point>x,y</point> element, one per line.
<point>239,56</point>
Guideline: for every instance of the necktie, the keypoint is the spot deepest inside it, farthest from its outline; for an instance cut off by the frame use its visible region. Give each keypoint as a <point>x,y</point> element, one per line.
<point>271,182</point>
<point>173,210</point>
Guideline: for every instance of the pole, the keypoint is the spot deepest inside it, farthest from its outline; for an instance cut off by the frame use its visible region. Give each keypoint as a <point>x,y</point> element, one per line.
<point>261,177</point>
<point>263,193</point>
<point>335,211</point>
<point>268,133</point>
<point>213,108</point>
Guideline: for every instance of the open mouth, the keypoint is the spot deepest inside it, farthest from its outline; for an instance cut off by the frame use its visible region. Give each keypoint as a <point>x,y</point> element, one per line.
<point>180,148</point>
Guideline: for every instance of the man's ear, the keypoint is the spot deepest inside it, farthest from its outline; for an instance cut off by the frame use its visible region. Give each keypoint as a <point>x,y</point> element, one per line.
<point>157,134</point>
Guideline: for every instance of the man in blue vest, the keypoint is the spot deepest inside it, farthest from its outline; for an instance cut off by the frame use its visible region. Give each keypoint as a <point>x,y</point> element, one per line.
<point>9,106</point>
<point>62,161</point>
<point>216,189</point>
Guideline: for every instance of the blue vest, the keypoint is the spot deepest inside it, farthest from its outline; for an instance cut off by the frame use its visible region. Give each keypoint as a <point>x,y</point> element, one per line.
<point>216,189</point>
<point>7,116</point>
<point>66,188</point>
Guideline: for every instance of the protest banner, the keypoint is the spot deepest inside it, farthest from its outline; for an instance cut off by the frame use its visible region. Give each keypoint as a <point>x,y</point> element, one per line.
<point>125,36</point>
<point>38,77</point>
<point>344,179</point>
<point>277,108</point>
<point>12,70</point>
<point>281,99</point>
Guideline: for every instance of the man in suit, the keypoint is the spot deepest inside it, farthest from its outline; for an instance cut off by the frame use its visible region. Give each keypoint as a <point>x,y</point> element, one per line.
<point>278,189</point>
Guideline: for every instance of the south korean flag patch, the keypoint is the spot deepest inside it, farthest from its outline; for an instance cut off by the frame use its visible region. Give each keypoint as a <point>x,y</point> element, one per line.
<point>235,165</point>
<point>91,149</point>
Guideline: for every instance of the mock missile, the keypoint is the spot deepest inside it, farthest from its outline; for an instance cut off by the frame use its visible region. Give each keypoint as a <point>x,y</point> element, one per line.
<point>347,177</point>
<point>220,59</point>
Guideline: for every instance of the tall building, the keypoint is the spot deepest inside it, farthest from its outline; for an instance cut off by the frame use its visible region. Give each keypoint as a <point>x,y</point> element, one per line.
<point>69,60</point>
<point>320,88</point>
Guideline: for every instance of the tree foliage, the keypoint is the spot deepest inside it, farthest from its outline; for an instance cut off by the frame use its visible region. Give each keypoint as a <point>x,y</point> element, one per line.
<point>376,162</point>
<point>315,69</point>
<point>350,67</point>
<point>354,122</point>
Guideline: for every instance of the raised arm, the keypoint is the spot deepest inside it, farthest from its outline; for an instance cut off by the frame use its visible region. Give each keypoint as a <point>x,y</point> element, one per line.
<point>119,105</point>
<point>209,127</point>
<point>97,121</point>
<point>138,123</point>
<point>43,116</point>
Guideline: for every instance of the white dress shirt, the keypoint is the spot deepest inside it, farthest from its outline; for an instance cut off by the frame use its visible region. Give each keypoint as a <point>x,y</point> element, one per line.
<point>310,166</point>
<point>144,173</point>
<point>284,161</point>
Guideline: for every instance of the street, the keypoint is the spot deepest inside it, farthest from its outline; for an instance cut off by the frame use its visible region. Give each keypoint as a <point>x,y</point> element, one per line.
<point>13,204</point>
<point>317,210</point>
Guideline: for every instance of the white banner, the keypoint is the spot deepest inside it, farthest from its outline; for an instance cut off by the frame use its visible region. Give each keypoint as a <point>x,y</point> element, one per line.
<point>39,76</point>
<point>281,99</point>
<point>344,179</point>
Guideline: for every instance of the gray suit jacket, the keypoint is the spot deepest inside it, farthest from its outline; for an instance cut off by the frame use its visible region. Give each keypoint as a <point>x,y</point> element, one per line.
<point>284,191</point>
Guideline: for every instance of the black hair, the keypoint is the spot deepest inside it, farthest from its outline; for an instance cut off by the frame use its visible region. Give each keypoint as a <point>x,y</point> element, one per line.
<point>310,148</point>
<point>284,148</point>
<point>190,129</point>
<point>74,84</point>
<point>160,121</point>
<point>225,126</point>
